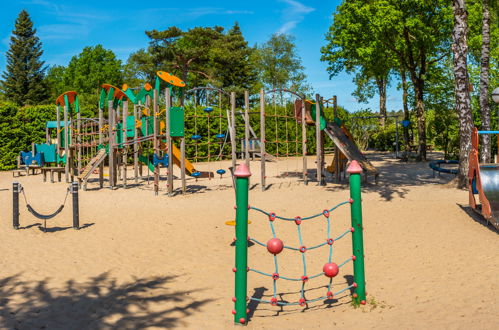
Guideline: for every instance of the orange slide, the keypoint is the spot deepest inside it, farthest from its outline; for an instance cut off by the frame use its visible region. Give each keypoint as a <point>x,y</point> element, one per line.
<point>189,168</point>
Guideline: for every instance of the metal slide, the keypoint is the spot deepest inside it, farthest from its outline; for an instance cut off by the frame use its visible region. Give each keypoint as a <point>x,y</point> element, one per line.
<point>484,182</point>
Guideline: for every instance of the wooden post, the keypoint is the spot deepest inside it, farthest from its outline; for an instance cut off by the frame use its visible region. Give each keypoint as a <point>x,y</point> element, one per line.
<point>318,141</point>
<point>66,143</point>
<point>233,128</point>
<point>262,139</point>
<point>101,143</point>
<point>169,142</point>
<point>304,140</point>
<point>246,127</point>
<point>156,140</point>
<point>112,160</point>
<point>124,148</point>
<point>58,128</point>
<point>139,117</point>
<point>135,146</point>
<point>78,140</point>
<point>337,173</point>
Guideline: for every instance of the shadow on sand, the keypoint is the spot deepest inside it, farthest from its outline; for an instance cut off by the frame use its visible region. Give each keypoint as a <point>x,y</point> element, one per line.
<point>99,303</point>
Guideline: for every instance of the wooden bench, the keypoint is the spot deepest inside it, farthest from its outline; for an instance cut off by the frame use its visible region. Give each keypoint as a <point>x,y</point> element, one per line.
<point>25,169</point>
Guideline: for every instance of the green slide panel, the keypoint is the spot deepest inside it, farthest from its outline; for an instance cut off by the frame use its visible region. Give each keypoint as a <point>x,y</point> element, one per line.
<point>146,161</point>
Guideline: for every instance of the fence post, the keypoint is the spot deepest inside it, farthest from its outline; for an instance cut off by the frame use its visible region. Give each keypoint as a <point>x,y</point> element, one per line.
<point>15,205</point>
<point>242,175</point>
<point>355,170</point>
<point>76,208</point>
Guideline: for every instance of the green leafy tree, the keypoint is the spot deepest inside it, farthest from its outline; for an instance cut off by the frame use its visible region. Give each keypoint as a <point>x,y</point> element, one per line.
<point>351,48</point>
<point>140,68</point>
<point>184,53</point>
<point>199,56</point>
<point>87,71</point>
<point>91,68</point>
<point>233,69</point>
<point>484,52</point>
<point>54,80</point>
<point>279,64</point>
<point>23,79</point>
<point>417,33</point>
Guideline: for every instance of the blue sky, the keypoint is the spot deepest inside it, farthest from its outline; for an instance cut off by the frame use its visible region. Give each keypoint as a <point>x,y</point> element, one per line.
<point>65,27</point>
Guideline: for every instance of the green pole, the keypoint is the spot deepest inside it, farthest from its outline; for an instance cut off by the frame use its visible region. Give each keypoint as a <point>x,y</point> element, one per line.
<point>242,175</point>
<point>355,171</point>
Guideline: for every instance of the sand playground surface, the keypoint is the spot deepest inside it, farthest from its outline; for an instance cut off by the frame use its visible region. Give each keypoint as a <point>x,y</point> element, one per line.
<point>150,262</point>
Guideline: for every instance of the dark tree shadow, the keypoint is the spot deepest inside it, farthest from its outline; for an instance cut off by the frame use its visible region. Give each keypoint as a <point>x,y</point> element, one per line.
<point>99,303</point>
<point>395,177</point>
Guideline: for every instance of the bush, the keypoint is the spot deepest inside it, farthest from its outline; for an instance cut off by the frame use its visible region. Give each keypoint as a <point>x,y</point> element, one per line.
<point>19,128</point>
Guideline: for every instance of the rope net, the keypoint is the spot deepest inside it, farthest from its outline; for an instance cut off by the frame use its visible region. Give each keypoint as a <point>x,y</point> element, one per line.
<point>276,246</point>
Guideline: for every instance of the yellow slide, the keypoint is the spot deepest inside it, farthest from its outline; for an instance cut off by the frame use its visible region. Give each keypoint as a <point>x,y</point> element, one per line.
<point>189,168</point>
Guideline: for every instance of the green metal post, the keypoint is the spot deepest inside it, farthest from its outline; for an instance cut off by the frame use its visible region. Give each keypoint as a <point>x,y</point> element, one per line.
<point>357,236</point>
<point>242,175</point>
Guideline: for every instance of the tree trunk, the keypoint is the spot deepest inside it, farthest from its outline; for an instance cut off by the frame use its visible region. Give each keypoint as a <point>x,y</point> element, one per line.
<point>462,91</point>
<point>420,114</point>
<point>484,82</point>
<point>406,108</point>
<point>381,83</point>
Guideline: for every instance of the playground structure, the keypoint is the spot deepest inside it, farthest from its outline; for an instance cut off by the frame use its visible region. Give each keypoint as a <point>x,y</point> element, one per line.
<point>276,246</point>
<point>169,127</point>
<point>17,188</point>
<point>483,181</point>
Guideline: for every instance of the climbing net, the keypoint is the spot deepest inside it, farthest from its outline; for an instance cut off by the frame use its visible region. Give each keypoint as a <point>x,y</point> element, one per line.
<point>276,246</point>
<point>206,125</point>
<point>284,134</point>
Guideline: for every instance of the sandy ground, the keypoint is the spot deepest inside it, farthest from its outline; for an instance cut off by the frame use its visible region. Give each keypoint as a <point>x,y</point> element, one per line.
<point>145,261</point>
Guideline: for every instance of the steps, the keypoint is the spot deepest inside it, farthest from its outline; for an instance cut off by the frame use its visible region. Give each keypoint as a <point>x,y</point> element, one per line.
<point>92,164</point>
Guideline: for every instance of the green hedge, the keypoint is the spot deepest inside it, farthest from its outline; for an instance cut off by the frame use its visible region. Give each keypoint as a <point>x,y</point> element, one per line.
<point>19,128</point>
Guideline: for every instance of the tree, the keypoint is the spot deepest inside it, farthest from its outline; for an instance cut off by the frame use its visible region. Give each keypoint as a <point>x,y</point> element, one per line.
<point>23,78</point>
<point>417,33</point>
<point>184,53</point>
<point>54,80</point>
<point>351,48</point>
<point>279,64</point>
<point>140,68</point>
<point>462,87</point>
<point>91,68</point>
<point>231,62</point>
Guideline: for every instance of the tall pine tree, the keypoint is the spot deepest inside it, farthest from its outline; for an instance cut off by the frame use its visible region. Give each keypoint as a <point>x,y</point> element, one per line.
<point>23,79</point>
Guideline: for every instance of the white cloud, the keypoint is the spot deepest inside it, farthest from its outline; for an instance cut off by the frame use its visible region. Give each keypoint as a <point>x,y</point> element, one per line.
<point>63,31</point>
<point>293,14</point>
<point>70,22</point>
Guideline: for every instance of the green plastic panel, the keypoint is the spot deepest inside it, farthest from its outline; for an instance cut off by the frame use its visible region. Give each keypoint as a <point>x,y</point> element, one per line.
<point>49,152</point>
<point>147,127</point>
<point>130,125</point>
<point>323,121</point>
<point>177,122</point>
